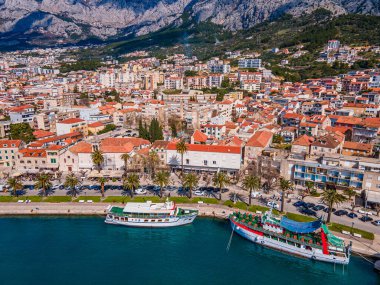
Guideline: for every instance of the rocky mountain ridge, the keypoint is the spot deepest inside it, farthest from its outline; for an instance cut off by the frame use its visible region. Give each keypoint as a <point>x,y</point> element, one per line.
<point>62,21</point>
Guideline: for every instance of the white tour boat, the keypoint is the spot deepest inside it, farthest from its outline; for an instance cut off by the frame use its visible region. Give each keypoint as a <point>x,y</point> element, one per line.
<point>150,214</point>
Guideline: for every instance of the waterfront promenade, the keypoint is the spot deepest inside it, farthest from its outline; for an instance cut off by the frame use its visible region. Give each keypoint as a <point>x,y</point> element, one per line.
<point>360,246</point>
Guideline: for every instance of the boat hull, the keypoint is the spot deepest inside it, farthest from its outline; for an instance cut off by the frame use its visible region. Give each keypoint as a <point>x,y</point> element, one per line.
<point>259,238</point>
<point>150,223</point>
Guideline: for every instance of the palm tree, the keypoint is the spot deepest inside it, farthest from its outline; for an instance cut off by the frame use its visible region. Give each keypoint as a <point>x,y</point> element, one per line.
<point>102,181</point>
<point>43,182</point>
<point>181,148</point>
<point>190,181</point>
<point>331,197</point>
<point>153,161</point>
<point>350,193</point>
<point>285,185</point>
<point>131,182</point>
<point>251,183</point>
<point>15,184</point>
<point>97,158</point>
<point>162,179</point>
<point>309,189</point>
<point>125,157</point>
<point>220,180</point>
<point>72,182</point>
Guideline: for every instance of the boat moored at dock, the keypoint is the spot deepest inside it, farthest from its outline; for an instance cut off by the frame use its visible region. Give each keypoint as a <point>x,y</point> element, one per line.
<point>310,240</point>
<point>150,215</point>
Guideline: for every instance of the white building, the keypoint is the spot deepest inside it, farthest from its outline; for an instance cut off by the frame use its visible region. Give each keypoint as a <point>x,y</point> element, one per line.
<point>250,63</point>
<point>206,157</point>
<point>173,83</point>
<point>22,114</point>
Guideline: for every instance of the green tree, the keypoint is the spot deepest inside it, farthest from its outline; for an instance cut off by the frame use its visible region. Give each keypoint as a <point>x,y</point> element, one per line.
<point>350,193</point>
<point>97,159</point>
<point>285,185</point>
<point>43,182</point>
<point>72,182</point>
<point>155,131</point>
<point>131,182</point>
<point>190,73</point>
<point>102,181</point>
<point>125,157</point>
<point>331,197</point>
<point>310,187</point>
<point>220,180</point>
<point>153,161</point>
<point>21,131</point>
<point>15,185</point>
<point>251,183</point>
<point>181,148</point>
<point>190,181</point>
<point>162,179</point>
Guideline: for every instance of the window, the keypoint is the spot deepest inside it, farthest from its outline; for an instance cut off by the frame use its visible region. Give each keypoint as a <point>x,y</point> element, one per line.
<point>214,162</point>
<point>187,161</point>
<point>53,160</point>
<point>204,162</point>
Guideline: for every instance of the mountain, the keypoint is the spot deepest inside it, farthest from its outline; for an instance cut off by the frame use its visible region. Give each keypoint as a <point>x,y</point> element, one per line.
<point>46,22</point>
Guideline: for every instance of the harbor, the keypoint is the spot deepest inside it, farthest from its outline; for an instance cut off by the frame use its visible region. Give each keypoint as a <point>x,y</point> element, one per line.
<point>360,246</point>
<point>84,250</point>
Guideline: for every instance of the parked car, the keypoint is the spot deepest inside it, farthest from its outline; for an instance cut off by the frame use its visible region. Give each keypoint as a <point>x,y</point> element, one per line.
<point>299,204</point>
<point>326,210</point>
<point>255,194</point>
<point>340,213</point>
<point>307,211</point>
<point>318,207</point>
<point>199,193</point>
<point>366,219</point>
<point>140,191</point>
<point>376,223</point>
<point>310,205</point>
<point>273,205</point>
<point>352,215</point>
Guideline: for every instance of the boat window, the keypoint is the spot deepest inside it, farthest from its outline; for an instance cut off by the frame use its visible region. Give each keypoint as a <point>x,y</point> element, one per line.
<point>166,220</point>
<point>159,221</point>
<point>152,220</point>
<point>145,220</point>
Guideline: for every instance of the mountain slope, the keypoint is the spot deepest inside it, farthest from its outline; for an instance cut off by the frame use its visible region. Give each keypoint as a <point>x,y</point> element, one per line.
<point>63,21</point>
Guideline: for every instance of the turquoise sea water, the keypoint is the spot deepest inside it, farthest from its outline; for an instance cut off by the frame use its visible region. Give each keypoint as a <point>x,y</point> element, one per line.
<point>84,250</point>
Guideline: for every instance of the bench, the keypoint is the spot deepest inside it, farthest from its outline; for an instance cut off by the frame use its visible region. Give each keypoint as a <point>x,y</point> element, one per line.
<point>357,235</point>
<point>346,233</point>
<point>259,212</point>
<point>20,201</point>
<point>89,201</point>
<point>200,202</point>
<point>81,201</point>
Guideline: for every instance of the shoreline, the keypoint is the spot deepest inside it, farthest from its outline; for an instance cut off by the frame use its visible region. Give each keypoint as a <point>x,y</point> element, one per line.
<point>360,247</point>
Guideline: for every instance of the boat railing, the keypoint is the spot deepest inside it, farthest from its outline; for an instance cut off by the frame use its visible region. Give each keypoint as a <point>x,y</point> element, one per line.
<point>282,236</point>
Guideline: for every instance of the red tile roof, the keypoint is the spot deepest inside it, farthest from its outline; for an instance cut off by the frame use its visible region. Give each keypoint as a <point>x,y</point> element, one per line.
<point>10,143</point>
<point>358,146</point>
<point>81,147</point>
<point>39,134</point>
<point>198,136</point>
<point>96,125</point>
<point>71,121</point>
<point>208,148</point>
<point>304,140</point>
<point>260,139</point>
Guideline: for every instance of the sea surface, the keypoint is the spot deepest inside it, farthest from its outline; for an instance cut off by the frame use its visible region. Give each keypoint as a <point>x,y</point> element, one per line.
<point>84,250</point>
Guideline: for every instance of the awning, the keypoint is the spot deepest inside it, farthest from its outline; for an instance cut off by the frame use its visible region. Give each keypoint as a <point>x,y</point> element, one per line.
<point>373,196</point>
<point>298,227</point>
